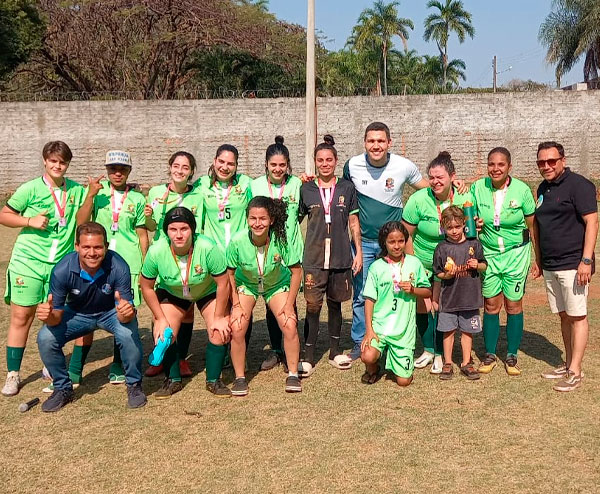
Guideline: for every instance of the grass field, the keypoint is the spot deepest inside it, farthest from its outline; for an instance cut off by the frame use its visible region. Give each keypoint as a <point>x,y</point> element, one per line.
<point>497,434</point>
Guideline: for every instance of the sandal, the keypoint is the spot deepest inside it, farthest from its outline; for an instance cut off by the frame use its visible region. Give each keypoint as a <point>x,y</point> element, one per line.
<point>368,378</point>
<point>470,372</point>
<point>305,369</point>
<point>342,362</point>
<point>447,372</point>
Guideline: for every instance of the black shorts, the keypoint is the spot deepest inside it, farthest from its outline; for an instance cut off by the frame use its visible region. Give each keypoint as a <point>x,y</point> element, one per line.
<point>184,304</point>
<point>335,283</point>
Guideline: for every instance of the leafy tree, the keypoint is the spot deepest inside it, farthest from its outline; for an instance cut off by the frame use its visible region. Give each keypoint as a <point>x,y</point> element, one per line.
<point>374,32</point>
<point>450,17</point>
<point>570,31</point>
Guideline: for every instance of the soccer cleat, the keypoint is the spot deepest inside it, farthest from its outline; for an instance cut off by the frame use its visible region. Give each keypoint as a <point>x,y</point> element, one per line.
<point>168,389</point>
<point>424,360</point>
<point>437,365</point>
<point>240,387</point>
<point>218,389</point>
<point>487,364</point>
<point>511,366</point>
<point>12,384</point>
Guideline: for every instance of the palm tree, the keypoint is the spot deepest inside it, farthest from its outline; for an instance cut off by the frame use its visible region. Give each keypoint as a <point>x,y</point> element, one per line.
<point>433,73</point>
<point>375,29</point>
<point>452,17</point>
<point>570,31</point>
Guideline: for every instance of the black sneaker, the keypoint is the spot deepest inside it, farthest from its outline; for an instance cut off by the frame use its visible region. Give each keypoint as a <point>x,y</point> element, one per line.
<point>168,388</point>
<point>273,360</point>
<point>135,396</point>
<point>218,388</point>
<point>293,384</point>
<point>240,387</point>
<point>58,399</point>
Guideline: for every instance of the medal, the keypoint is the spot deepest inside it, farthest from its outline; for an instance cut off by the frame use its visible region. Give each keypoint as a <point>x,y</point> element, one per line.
<point>261,285</point>
<point>116,208</point>
<point>61,208</point>
<point>186,290</point>
<point>396,269</point>
<point>499,196</point>
<point>280,190</point>
<point>62,222</point>
<point>184,281</point>
<point>327,203</point>
<point>261,267</point>
<point>154,204</point>
<point>114,227</point>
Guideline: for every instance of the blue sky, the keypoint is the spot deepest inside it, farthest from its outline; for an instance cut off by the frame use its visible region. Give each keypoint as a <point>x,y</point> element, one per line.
<point>506,28</point>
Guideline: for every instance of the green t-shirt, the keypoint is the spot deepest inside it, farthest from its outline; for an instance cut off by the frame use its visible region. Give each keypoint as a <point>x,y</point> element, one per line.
<point>242,256</point>
<point>125,240</point>
<point>394,313</point>
<point>517,204</point>
<point>234,212</point>
<point>421,211</point>
<point>162,203</point>
<point>291,197</point>
<point>207,261</point>
<point>50,245</point>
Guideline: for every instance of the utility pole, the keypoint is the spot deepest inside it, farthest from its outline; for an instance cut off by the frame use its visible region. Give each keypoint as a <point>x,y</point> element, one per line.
<point>495,67</point>
<point>311,101</point>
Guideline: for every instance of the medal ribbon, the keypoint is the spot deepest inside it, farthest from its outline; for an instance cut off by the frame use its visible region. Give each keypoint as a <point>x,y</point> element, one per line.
<point>261,270</point>
<point>499,196</point>
<point>326,203</point>
<point>184,282</point>
<point>116,209</point>
<point>438,205</point>
<point>395,279</point>
<point>61,209</point>
<point>222,199</point>
<point>280,190</point>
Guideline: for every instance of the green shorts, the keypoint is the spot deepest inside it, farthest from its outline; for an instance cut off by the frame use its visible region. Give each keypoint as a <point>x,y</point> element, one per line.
<point>268,295</point>
<point>26,290</point>
<point>507,273</point>
<point>400,360</point>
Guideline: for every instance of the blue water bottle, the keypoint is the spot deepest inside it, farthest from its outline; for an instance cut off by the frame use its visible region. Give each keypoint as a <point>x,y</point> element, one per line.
<point>157,355</point>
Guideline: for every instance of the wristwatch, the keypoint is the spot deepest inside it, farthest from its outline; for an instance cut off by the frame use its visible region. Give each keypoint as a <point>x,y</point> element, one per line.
<point>586,260</point>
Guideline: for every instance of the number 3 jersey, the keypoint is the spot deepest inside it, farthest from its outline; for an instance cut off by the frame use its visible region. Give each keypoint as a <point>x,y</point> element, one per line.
<point>394,313</point>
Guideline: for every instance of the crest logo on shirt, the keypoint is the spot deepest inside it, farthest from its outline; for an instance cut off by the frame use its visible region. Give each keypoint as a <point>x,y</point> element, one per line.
<point>411,276</point>
<point>291,198</point>
<point>471,251</point>
<point>341,200</point>
<point>194,209</point>
<point>106,289</point>
<point>513,204</point>
<point>389,184</point>
<point>19,281</point>
<point>309,281</point>
<point>130,208</point>
<point>71,200</point>
<point>276,258</point>
<point>539,201</point>
<point>238,189</point>
<point>198,269</point>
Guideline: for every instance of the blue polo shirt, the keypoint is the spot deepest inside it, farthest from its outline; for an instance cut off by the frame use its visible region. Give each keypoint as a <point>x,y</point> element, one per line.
<point>73,288</point>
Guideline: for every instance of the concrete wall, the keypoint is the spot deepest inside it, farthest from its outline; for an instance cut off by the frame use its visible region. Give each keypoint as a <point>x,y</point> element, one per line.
<point>466,125</point>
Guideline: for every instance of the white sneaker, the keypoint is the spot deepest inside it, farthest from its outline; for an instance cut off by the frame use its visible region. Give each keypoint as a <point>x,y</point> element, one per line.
<point>424,360</point>
<point>438,364</point>
<point>11,387</point>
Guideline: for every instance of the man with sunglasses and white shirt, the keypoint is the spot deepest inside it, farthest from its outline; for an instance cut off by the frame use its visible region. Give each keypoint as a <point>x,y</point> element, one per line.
<point>566,226</point>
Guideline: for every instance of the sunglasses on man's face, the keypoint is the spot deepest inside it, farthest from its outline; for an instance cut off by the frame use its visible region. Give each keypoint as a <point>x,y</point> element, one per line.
<point>549,161</point>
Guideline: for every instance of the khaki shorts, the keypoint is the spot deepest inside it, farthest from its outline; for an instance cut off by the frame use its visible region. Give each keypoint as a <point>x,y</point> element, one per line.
<point>564,294</point>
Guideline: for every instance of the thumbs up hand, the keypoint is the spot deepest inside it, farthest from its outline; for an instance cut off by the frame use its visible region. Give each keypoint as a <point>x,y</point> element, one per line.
<point>44,310</point>
<point>39,222</point>
<point>125,310</point>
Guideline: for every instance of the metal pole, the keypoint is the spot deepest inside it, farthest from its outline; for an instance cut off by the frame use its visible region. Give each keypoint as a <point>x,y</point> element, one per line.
<point>311,101</point>
<point>495,66</point>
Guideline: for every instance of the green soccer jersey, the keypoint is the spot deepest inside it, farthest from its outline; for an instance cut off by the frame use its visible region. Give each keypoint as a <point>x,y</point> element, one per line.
<point>49,245</point>
<point>395,312</point>
<point>124,240</point>
<point>207,261</point>
<point>422,211</point>
<point>290,194</point>
<point>225,208</point>
<point>242,255</point>
<point>162,202</point>
<point>517,203</point>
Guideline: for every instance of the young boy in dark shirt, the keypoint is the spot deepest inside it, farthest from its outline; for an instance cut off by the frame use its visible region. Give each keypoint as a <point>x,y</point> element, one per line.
<point>457,261</point>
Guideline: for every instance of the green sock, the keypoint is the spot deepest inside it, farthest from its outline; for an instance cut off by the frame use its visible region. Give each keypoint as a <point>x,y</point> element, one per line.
<point>215,356</point>
<point>184,338</point>
<point>77,361</point>
<point>171,363</point>
<point>116,367</point>
<point>14,357</point>
<point>491,331</point>
<point>423,327</point>
<point>514,332</point>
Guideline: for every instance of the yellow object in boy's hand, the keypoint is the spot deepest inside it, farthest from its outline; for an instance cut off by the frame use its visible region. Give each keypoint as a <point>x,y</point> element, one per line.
<point>449,264</point>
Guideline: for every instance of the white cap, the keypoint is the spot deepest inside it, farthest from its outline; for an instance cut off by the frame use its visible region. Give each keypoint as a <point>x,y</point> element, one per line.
<point>118,158</point>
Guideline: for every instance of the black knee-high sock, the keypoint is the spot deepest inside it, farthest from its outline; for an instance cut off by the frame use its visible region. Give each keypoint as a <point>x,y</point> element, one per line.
<point>184,338</point>
<point>312,324</point>
<point>275,334</point>
<point>334,323</point>
<point>249,332</point>
<point>171,363</point>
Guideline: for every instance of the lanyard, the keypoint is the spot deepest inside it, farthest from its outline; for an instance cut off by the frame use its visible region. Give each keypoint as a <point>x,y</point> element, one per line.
<point>438,205</point>
<point>184,281</point>
<point>396,269</point>
<point>116,209</point>
<point>326,203</point>
<point>499,196</point>
<point>61,208</point>
<point>222,198</point>
<point>163,199</point>
<point>280,190</point>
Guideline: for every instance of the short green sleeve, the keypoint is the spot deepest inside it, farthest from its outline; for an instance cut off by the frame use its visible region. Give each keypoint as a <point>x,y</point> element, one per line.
<point>216,262</point>
<point>528,202</point>
<point>150,266</point>
<point>231,254</point>
<point>370,289</point>
<point>410,213</point>
<point>20,199</point>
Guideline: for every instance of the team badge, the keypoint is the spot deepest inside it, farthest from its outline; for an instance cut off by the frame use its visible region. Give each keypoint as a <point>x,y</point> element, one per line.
<point>389,184</point>
<point>513,204</point>
<point>106,289</point>
<point>241,289</point>
<point>238,189</point>
<point>475,323</point>
<point>71,200</point>
<point>411,276</point>
<point>130,208</point>
<point>276,258</point>
<point>19,281</point>
<point>309,281</point>
<point>291,199</point>
<point>194,209</point>
<point>198,269</point>
<point>539,201</point>
<point>471,251</point>
<point>341,200</point>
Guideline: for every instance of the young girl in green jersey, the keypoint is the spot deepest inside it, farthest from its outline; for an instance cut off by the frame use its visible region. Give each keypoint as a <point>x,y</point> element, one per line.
<point>260,263</point>
<point>45,209</point>
<point>161,199</point>
<point>180,270</point>
<point>279,183</point>
<point>394,282</point>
